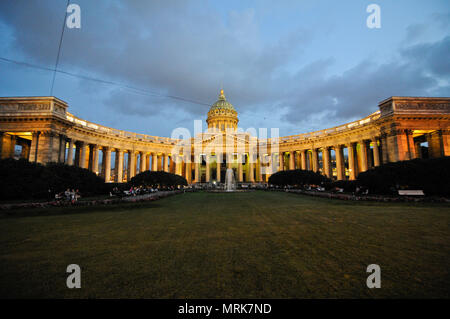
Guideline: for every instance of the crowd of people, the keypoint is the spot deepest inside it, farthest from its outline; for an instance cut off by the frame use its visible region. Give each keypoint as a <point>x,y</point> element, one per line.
<point>133,191</point>
<point>70,195</point>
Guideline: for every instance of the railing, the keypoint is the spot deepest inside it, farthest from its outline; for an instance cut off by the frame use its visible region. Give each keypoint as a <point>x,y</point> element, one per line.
<point>166,140</point>
<point>119,133</point>
<point>337,129</point>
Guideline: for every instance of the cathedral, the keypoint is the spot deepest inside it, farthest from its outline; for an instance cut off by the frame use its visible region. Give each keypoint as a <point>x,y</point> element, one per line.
<point>42,130</point>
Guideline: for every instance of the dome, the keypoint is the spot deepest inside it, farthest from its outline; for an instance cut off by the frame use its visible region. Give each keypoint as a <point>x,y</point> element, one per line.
<point>222,115</point>
<point>222,103</point>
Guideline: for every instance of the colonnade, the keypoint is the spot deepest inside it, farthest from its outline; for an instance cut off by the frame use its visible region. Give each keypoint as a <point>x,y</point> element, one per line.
<point>339,161</point>
<point>405,128</point>
<point>360,156</point>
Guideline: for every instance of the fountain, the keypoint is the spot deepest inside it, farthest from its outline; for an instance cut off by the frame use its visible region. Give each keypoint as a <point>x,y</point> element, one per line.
<point>230,183</point>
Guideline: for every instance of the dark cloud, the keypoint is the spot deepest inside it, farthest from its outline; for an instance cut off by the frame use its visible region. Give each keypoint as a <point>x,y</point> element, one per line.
<point>431,57</point>
<point>158,47</point>
<point>357,91</point>
<point>415,32</point>
<point>185,49</point>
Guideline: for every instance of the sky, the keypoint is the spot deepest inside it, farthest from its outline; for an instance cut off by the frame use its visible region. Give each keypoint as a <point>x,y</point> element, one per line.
<point>297,65</point>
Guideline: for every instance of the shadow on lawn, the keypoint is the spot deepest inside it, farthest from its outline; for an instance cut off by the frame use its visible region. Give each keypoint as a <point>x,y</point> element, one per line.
<point>71,210</point>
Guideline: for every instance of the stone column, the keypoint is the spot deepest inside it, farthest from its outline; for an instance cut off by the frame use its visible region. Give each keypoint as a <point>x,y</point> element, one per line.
<point>34,147</point>
<point>398,145</point>
<point>154,162</point>
<point>197,169</point>
<point>208,173</point>
<point>240,171</point>
<point>55,149</point>
<point>376,152</point>
<point>160,163</point>
<point>107,161</point>
<point>298,160</point>
<point>351,161</point>
<point>91,158</point>
<point>178,165</point>
<point>281,161</point>
<point>8,143</point>
<point>291,160</point>
<point>48,148</point>
<point>251,168</point>
<point>93,154</point>
<point>172,164</point>
<point>143,167</point>
<point>258,169</point>
<point>70,152</point>
<point>327,162</point>
<point>445,138</point>
<point>269,170</point>
<point>77,154</point>
<point>339,162</point>
<point>131,165</point>
<point>218,163</point>
<point>83,155</point>
<point>2,151</point>
<point>25,153</point>
<point>418,149</point>
<point>119,165</point>
<point>435,144</point>
<point>148,165</point>
<point>384,149</point>
<point>166,163</point>
<point>62,149</point>
<point>363,155</point>
<point>95,170</point>
<point>315,160</point>
<point>303,159</point>
<point>188,169</point>
<point>410,143</point>
<point>12,146</point>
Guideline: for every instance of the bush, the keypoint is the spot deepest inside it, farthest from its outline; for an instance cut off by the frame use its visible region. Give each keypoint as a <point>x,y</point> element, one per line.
<point>430,175</point>
<point>347,186</point>
<point>297,177</point>
<point>21,179</point>
<point>62,177</point>
<point>158,179</point>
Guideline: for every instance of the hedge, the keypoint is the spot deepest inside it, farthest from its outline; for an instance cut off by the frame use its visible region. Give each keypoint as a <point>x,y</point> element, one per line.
<point>430,175</point>
<point>158,179</point>
<point>21,179</point>
<point>297,177</point>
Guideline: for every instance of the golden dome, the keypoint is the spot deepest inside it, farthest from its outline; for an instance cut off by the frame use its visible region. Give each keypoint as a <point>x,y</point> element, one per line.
<point>222,114</point>
<point>222,103</point>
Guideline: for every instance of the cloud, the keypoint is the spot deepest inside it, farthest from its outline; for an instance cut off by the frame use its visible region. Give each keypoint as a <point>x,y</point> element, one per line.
<point>188,49</point>
<point>356,92</point>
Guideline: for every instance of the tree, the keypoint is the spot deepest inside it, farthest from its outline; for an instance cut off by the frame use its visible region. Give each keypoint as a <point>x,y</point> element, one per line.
<point>297,177</point>
<point>430,175</point>
<point>22,179</point>
<point>158,179</point>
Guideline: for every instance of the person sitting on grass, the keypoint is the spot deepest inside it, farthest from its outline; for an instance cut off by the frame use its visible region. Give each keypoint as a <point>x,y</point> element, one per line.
<point>58,196</point>
<point>67,195</point>
<point>73,197</point>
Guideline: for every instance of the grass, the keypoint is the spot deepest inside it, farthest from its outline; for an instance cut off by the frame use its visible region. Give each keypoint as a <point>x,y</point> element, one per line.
<point>237,245</point>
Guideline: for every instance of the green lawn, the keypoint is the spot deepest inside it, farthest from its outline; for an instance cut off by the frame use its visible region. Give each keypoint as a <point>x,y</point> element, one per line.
<point>236,245</point>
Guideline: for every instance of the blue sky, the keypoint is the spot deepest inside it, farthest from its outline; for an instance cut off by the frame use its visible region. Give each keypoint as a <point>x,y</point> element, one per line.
<point>296,65</point>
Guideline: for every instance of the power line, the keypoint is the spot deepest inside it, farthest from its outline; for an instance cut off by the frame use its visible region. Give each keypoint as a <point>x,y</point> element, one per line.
<point>59,48</point>
<point>89,78</point>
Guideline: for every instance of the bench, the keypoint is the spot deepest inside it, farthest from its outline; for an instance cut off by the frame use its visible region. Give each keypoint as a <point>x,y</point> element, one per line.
<point>411,192</point>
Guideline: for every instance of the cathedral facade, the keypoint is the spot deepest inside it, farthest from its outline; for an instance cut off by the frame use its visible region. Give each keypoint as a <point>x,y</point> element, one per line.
<point>40,129</point>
